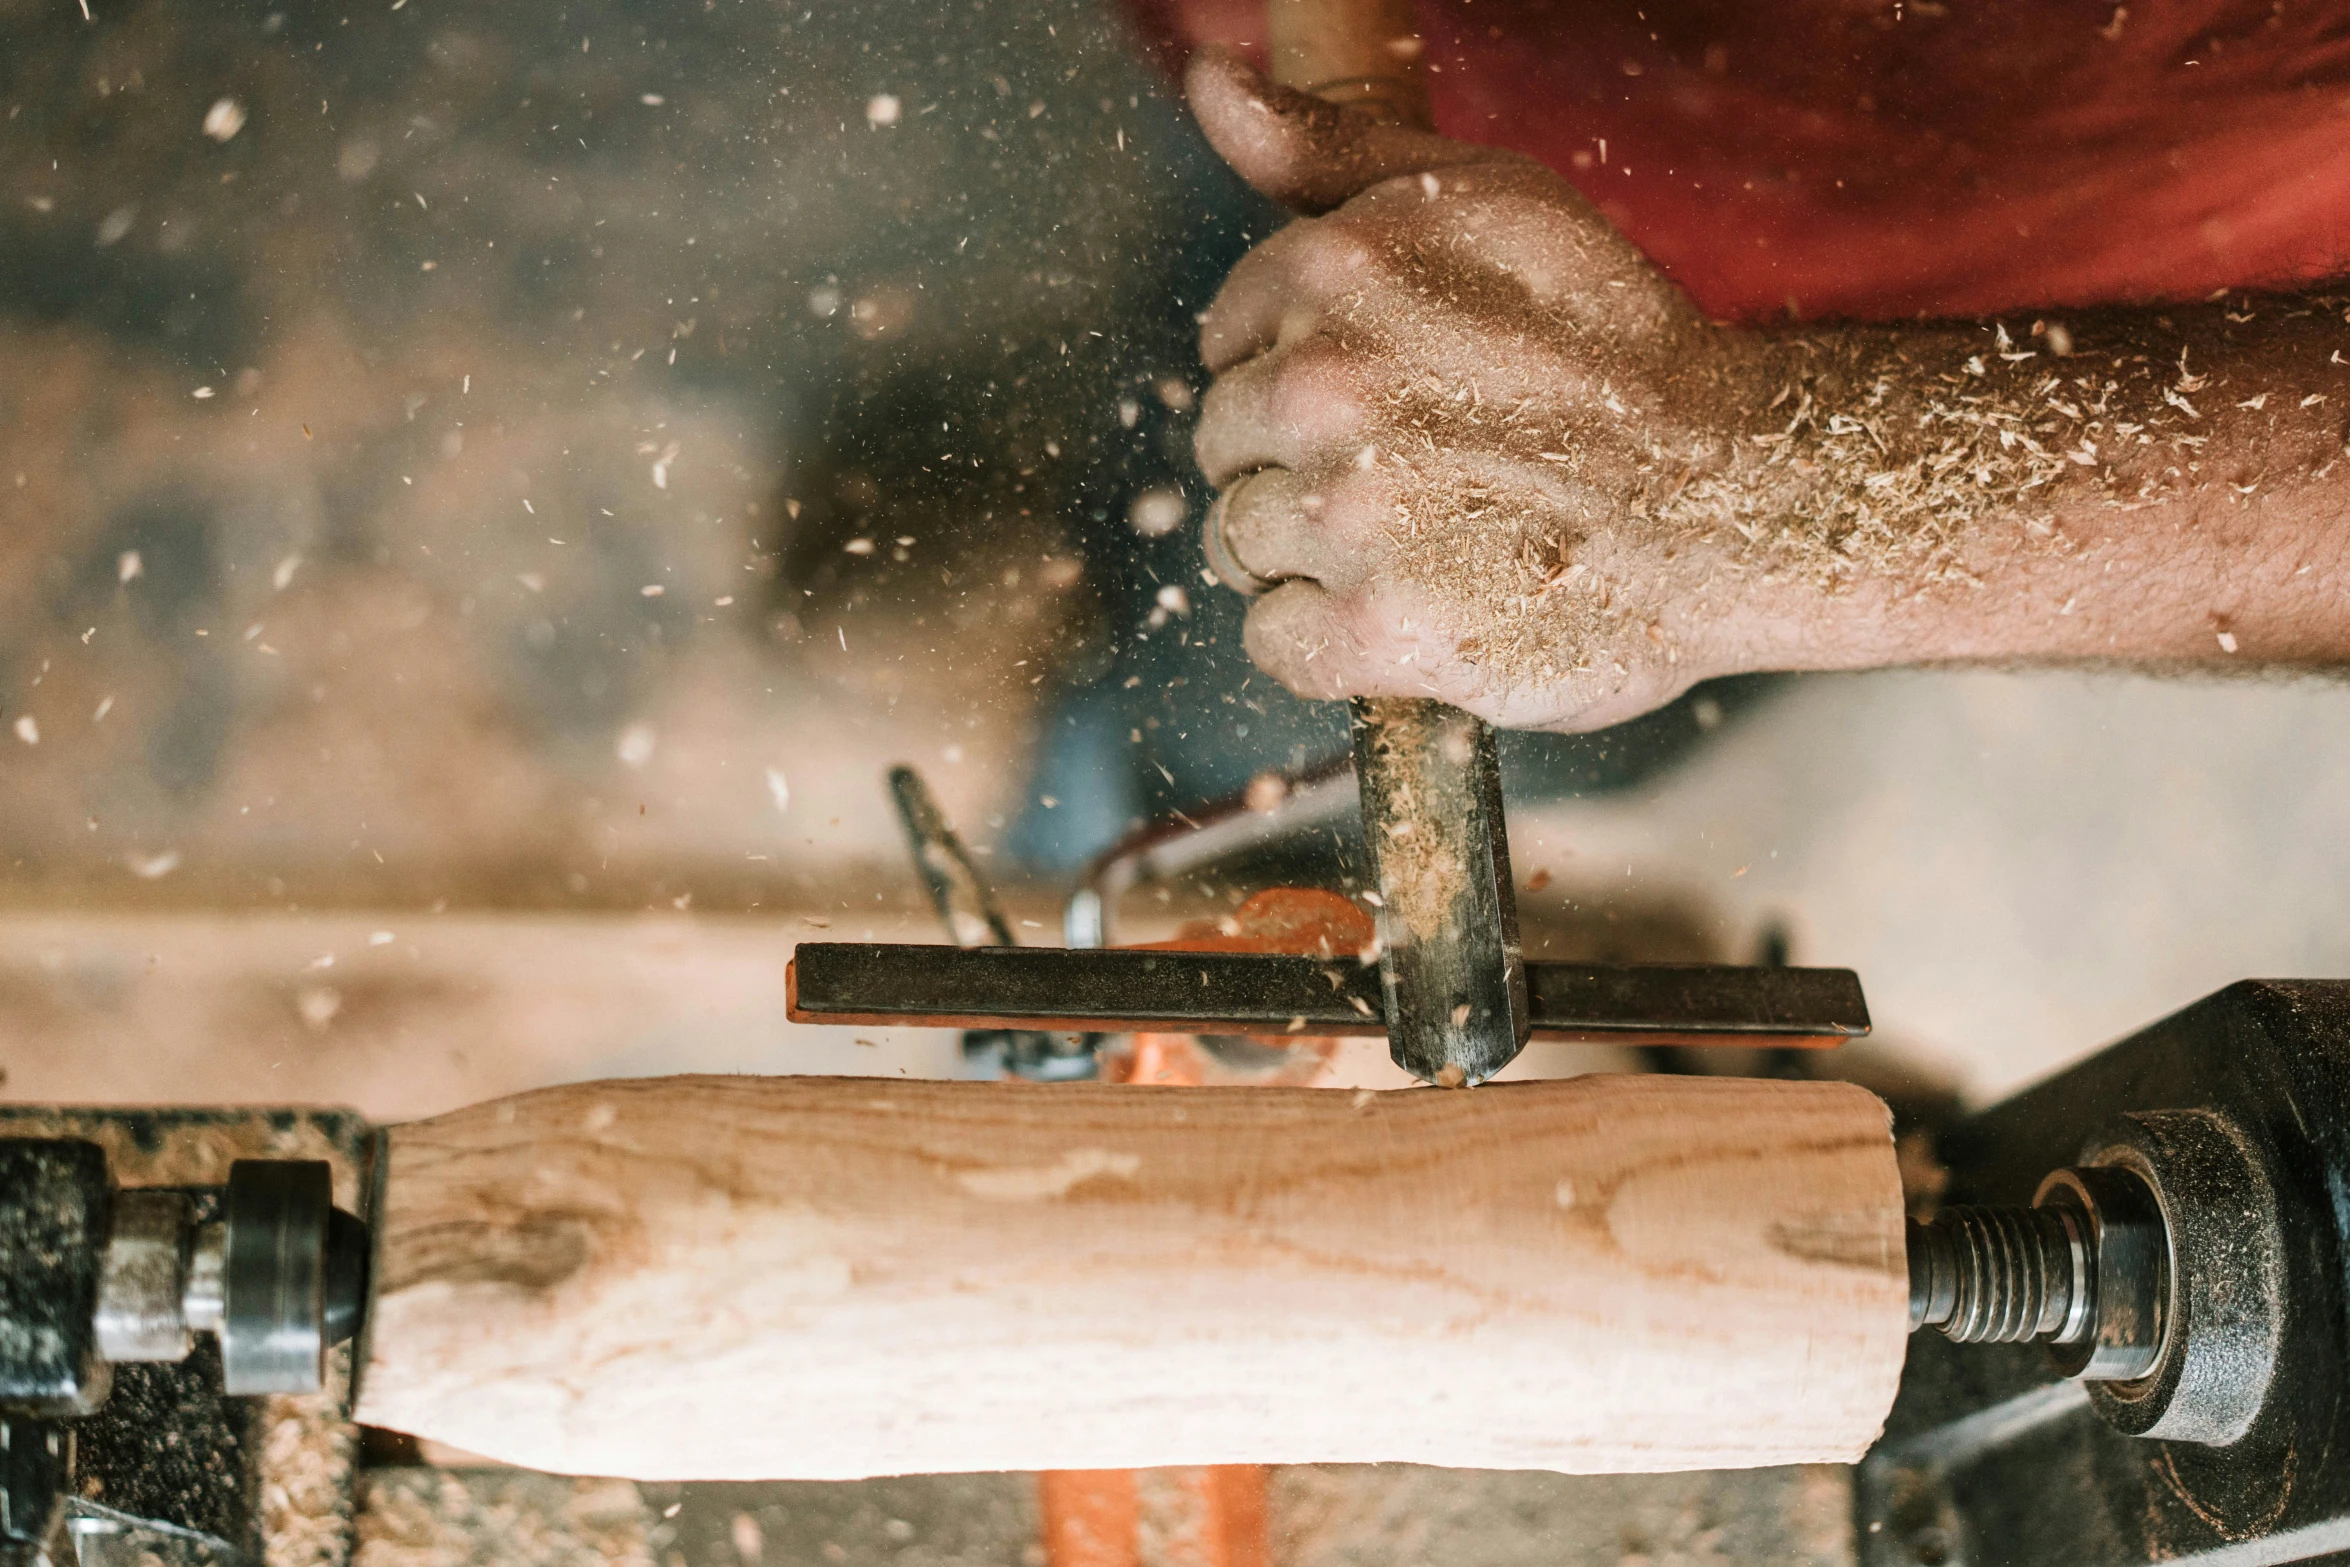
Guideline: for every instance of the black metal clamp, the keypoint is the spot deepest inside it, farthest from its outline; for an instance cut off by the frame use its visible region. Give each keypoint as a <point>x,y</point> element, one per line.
<point>92,1278</point>
<point>1446,982</point>
<point>2153,1271</point>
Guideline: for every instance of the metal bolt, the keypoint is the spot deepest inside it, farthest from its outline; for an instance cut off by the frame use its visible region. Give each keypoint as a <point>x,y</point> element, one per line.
<point>2000,1275</point>
<point>203,1302</point>
<point>280,1281</point>
<point>2082,1271</point>
<point>142,1277</point>
<point>2153,1272</point>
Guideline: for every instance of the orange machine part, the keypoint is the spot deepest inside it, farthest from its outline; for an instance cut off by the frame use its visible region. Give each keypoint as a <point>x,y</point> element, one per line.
<point>1212,1516</point>
<point>1190,1517</point>
<point>1304,921</point>
<point>1090,1518</point>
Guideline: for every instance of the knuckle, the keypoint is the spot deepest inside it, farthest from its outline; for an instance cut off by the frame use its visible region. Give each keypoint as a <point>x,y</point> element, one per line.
<point>1287,634</point>
<point>1211,438</point>
<point>1396,190</point>
<point>1351,508</point>
<point>1221,335</point>
<point>1207,451</point>
<point>1321,390</point>
<point>1334,253</point>
<point>1523,208</point>
<point>1216,406</point>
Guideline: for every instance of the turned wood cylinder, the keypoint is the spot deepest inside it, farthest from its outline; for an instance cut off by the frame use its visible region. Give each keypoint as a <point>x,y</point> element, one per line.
<point>825,1278</point>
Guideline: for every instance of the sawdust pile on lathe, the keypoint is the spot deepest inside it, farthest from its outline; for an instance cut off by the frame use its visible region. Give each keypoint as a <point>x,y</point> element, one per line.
<point>510,1518</point>
<point>307,1451</point>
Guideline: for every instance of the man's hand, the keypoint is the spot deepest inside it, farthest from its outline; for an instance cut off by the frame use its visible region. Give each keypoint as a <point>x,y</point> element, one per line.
<point>1445,416</point>
<point>1480,449</point>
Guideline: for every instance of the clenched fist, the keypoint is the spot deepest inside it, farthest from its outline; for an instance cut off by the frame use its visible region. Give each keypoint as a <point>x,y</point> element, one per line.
<point>1452,418</point>
<point>1470,444</point>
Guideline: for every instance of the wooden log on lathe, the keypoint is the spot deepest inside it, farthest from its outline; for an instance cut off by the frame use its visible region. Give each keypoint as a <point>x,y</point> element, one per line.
<point>827,1278</point>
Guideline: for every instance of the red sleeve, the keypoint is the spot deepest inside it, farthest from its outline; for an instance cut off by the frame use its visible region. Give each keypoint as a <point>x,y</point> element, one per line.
<point>1886,158</point>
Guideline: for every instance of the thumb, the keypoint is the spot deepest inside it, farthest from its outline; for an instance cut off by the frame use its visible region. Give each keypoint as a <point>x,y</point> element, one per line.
<point>1307,154</point>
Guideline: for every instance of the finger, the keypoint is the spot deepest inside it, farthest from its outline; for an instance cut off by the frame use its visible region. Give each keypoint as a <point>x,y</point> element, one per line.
<point>1280,527</point>
<point>1279,291</point>
<point>1324,642</point>
<point>1553,246</point>
<point>1380,639</point>
<point>1302,152</point>
<point>1302,407</point>
<point>1303,636</point>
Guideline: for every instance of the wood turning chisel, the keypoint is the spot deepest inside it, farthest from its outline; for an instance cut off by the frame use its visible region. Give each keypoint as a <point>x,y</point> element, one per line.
<point>1455,996</point>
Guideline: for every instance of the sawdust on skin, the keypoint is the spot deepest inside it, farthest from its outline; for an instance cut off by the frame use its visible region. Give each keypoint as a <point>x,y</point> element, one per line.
<point>1881,462</point>
<point>1493,456</point>
<point>1536,483</point>
<point>1898,448</point>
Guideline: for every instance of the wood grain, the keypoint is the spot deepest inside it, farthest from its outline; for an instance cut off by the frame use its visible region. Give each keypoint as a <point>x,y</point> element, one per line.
<point>740,1278</point>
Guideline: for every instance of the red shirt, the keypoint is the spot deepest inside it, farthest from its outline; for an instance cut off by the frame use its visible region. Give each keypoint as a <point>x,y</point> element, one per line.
<point>1884,158</point>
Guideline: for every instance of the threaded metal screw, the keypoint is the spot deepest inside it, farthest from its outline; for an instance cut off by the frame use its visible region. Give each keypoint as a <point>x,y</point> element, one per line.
<point>2001,1275</point>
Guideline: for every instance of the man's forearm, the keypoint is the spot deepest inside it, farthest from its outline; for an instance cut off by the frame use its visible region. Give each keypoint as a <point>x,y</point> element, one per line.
<point>2174,488</point>
<point>1474,446</point>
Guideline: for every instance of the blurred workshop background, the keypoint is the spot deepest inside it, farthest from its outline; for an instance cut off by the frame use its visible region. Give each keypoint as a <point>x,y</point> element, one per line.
<point>485,495</point>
